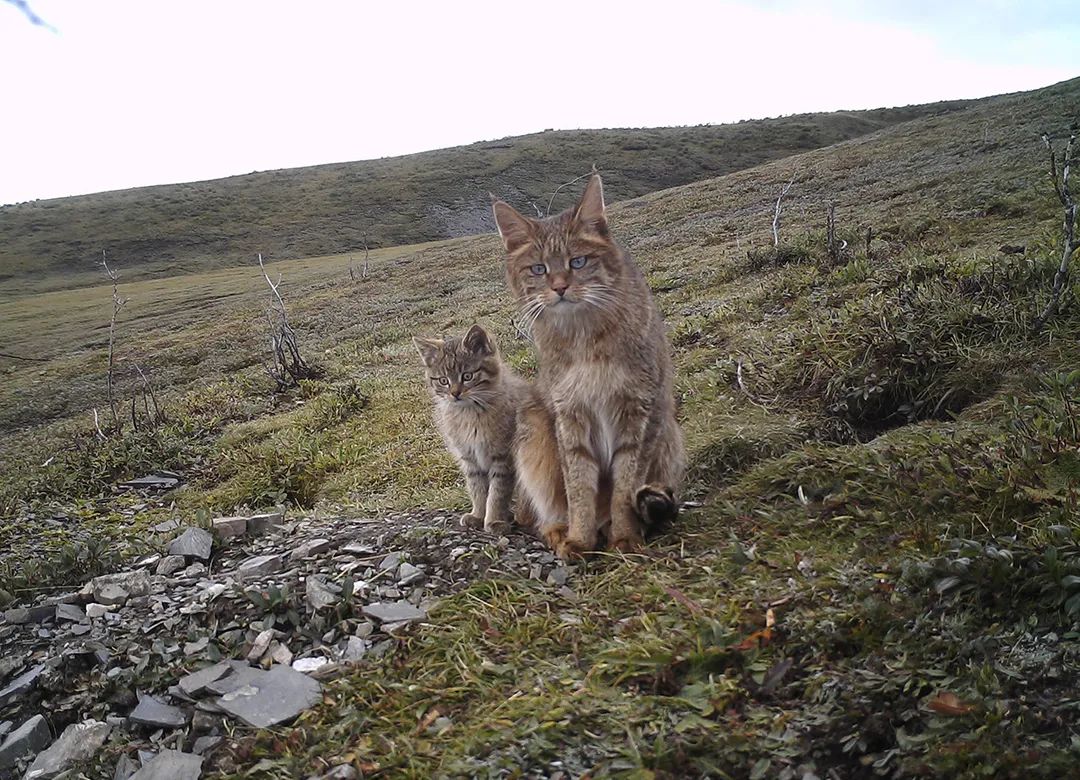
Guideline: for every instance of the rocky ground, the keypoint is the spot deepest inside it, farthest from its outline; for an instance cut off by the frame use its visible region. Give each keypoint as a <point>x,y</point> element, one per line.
<point>151,671</point>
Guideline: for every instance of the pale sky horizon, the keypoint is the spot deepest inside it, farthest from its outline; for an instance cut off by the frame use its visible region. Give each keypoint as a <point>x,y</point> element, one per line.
<point>124,93</point>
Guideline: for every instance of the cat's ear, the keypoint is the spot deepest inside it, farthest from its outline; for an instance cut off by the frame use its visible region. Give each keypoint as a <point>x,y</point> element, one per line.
<point>428,348</point>
<point>478,342</point>
<point>589,213</point>
<point>514,229</point>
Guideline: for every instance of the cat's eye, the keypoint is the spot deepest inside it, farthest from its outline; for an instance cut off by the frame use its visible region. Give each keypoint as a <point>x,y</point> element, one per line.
<point>578,262</point>
<point>538,269</point>
<point>444,381</point>
<point>467,376</point>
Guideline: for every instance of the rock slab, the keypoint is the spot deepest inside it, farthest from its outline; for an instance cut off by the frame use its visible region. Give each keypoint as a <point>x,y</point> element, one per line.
<point>78,742</point>
<point>193,543</point>
<point>394,612</point>
<point>171,765</point>
<point>271,697</point>
<point>259,566</point>
<point>153,712</point>
<point>21,684</point>
<point>29,738</point>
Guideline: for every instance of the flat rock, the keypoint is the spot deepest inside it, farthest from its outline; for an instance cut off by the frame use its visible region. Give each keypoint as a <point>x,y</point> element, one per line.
<point>152,712</point>
<point>204,745</point>
<point>319,594</point>
<point>170,564</point>
<point>78,742</point>
<point>95,610</point>
<point>21,615</point>
<point>355,649</point>
<point>125,767</point>
<point>240,675</point>
<point>30,738</point>
<point>131,583</point>
<point>394,612</point>
<point>171,765</point>
<point>260,644</point>
<point>310,664</point>
<point>259,566</point>
<point>390,562</point>
<point>271,697</point>
<point>309,548</point>
<point>71,613</point>
<point>21,684</point>
<point>194,683</point>
<point>193,543</point>
<point>410,575</point>
<point>229,527</point>
<point>166,526</point>
<point>261,524</point>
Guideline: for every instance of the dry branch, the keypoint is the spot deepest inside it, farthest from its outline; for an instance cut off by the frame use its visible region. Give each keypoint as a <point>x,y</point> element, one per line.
<point>289,366</point>
<point>118,304</point>
<point>779,207</point>
<point>567,184</point>
<point>1069,242</point>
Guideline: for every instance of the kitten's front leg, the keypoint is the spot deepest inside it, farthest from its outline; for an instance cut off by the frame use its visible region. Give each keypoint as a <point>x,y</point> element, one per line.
<point>581,472</point>
<point>500,491</point>
<point>476,480</point>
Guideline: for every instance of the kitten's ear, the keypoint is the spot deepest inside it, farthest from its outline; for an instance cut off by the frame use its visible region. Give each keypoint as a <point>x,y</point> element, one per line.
<point>428,348</point>
<point>515,229</point>
<point>589,213</point>
<point>478,342</point>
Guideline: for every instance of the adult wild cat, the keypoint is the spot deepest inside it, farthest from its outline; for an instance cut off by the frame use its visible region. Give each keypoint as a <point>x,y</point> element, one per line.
<point>476,401</point>
<point>608,423</point>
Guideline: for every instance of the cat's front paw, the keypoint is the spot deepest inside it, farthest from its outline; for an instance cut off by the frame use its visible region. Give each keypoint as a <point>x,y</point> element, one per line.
<point>628,544</point>
<point>571,549</point>
<point>497,527</point>
<point>554,536</point>
<point>469,520</point>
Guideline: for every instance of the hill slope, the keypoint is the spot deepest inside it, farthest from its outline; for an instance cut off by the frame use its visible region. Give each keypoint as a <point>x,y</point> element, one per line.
<point>329,209</point>
<point>883,576</point>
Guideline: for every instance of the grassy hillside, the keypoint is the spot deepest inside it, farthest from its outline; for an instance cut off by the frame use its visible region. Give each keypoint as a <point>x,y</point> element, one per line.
<point>883,577</point>
<point>303,212</point>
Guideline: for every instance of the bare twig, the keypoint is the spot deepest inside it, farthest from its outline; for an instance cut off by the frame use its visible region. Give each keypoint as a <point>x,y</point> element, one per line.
<point>742,386</point>
<point>118,304</point>
<point>20,357</point>
<point>779,207</point>
<point>289,366</point>
<point>148,391</point>
<point>97,426</point>
<point>567,184</point>
<point>1069,242</point>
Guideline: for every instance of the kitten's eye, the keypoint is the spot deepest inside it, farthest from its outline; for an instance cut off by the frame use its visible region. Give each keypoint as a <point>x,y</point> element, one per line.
<point>578,262</point>
<point>444,381</point>
<point>539,269</point>
<point>467,376</point>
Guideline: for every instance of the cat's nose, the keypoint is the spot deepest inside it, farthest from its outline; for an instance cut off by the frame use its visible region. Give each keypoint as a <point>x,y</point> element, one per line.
<point>456,391</point>
<point>559,286</point>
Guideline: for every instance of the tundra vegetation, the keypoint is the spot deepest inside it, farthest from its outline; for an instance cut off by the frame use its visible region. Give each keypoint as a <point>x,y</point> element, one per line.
<point>882,576</point>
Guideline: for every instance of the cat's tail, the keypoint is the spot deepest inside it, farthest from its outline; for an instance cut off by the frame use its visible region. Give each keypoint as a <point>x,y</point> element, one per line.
<point>656,506</point>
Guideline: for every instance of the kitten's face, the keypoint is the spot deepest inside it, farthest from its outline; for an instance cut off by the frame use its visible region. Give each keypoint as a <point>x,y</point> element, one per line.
<point>461,370</point>
<point>563,266</point>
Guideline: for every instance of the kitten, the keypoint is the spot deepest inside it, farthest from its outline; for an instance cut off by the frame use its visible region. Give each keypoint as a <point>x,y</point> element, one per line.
<point>608,425</point>
<point>476,399</point>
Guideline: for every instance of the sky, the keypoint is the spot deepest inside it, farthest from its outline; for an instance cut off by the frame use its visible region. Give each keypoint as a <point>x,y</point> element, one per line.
<point>111,94</point>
